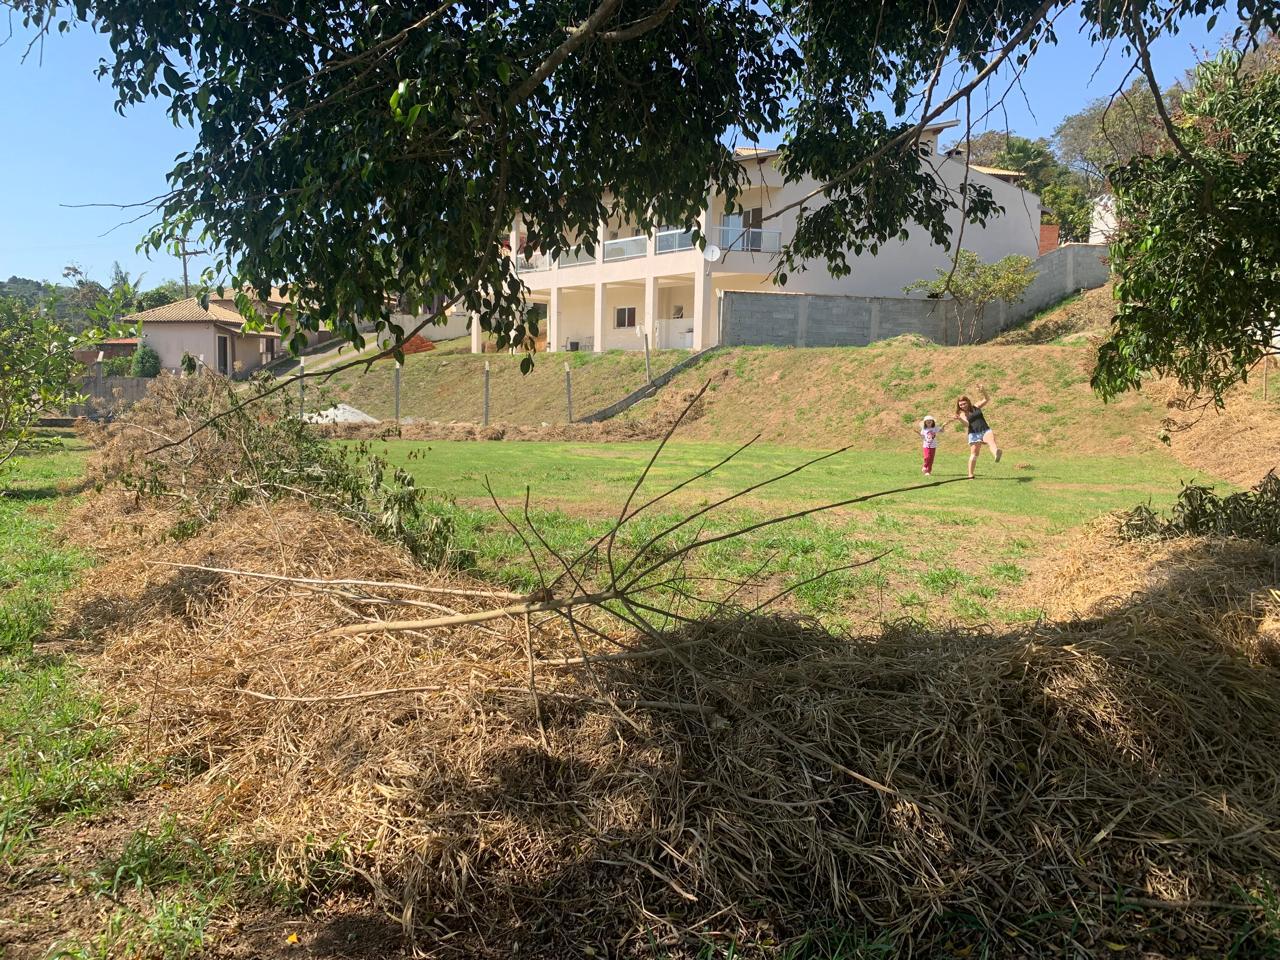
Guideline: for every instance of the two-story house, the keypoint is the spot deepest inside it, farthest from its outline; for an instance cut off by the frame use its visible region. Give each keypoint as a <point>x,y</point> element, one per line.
<point>664,285</point>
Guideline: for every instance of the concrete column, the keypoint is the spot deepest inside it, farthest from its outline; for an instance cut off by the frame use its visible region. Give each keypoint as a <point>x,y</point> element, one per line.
<point>600,235</point>
<point>475,333</point>
<point>651,305</point>
<point>598,315</point>
<point>514,237</point>
<point>553,321</point>
<point>703,315</point>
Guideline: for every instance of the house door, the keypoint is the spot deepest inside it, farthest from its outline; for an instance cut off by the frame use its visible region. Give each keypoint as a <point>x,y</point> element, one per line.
<point>224,360</point>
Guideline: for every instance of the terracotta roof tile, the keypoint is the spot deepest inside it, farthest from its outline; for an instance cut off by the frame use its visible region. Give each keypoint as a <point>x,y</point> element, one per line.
<point>189,311</point>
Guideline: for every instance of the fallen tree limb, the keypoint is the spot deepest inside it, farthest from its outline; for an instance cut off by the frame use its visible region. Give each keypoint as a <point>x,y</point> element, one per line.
<point>334,697</point>
<point>515,610</point>
<point>389,584</point>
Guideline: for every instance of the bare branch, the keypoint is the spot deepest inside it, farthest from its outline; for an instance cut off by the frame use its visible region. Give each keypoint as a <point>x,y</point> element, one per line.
<point>577,37</point>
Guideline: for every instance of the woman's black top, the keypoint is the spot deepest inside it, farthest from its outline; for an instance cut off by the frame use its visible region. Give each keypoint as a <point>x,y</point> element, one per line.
<point>977,421</point>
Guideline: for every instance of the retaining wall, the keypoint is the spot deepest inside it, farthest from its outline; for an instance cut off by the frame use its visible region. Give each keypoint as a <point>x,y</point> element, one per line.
<point>815,320</point>
<point>108,395</point>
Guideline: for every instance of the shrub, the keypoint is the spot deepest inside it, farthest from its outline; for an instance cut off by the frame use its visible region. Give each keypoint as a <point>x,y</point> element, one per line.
<point>118,366</point>
<point>1199,511</point>
<point>145,363</point>
<point>257,451</point>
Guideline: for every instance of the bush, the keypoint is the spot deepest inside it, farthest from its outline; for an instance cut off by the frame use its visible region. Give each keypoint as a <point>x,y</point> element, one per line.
<point>145,363</point>
<point>259,451</point>
<point>1199,511</point>
<point>118,366</point>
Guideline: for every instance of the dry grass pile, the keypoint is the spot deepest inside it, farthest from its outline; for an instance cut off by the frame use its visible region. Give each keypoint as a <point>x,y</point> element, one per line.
<point>1107,784</point>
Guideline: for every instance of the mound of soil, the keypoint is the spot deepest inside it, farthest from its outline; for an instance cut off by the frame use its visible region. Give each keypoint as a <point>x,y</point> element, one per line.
<point>531,787</point>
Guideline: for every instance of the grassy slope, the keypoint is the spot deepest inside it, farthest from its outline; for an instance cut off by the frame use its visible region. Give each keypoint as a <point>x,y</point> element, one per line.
<point>871,396</point>
<point>448,386</point>
<point>874,396</point>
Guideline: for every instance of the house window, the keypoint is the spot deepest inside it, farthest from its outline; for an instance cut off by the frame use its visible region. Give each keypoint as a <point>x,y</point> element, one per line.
<point>742,231</point>
<point>624,317</point>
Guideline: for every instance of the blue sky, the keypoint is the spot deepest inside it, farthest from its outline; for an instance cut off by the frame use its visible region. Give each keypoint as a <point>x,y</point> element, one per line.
<point>67,145</point>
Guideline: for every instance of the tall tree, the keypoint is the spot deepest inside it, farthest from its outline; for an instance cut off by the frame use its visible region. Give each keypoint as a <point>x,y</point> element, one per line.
<point>1110,132</point>
<point>1197,250</point>
<point>366,154</point>
<point>1061,190</point>
<point>37,372</point>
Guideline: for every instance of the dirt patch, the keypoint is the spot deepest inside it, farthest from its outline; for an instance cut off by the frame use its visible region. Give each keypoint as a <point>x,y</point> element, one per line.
<point>653,419</point>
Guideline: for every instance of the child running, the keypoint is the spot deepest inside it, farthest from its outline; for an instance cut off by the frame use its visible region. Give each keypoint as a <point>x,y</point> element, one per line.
<point>975,422</point>
<point>929,430</point>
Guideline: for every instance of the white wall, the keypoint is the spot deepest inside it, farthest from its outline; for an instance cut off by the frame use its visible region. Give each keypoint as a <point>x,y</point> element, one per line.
<point>455,326</point>
<point>898,263</point>
<point>172,340</point>
<point>1104,220</point>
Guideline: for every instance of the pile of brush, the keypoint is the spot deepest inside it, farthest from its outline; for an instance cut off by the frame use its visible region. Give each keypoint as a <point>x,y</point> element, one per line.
<point>586,768</point>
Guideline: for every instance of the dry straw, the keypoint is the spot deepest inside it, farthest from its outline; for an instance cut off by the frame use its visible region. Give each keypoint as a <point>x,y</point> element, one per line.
<point>639,784</point>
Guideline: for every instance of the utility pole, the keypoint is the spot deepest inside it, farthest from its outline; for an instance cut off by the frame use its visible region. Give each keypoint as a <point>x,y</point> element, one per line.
<point>186,254</point>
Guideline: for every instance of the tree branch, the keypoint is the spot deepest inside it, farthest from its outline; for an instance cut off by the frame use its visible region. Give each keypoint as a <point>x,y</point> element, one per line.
<point>577,37</point>
<point>640,27</point>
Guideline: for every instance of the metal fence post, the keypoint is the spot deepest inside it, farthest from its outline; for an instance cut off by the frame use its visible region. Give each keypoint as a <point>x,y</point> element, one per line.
<point>648,371</point>
<point>397,381</point>
<point>486,393</point>
<point>568,390</point>
<point>302,386</point>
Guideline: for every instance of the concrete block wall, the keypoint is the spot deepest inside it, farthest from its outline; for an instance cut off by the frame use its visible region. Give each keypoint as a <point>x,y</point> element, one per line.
<point>815,320</point>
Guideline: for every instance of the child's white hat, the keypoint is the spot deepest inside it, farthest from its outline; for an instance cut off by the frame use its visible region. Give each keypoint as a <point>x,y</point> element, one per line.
<point>927,416</point>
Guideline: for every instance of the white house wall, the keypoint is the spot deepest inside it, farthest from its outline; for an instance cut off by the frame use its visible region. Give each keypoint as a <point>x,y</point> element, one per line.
<point>172,339</point>
<point>897,264</point>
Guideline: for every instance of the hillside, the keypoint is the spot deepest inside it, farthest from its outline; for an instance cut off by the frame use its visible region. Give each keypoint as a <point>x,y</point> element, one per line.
<point>870,397</point>
<point>450,386</point>
<point>1080,318</point>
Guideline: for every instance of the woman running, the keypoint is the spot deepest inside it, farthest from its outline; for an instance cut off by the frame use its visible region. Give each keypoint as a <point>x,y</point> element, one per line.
<point>975,421</point>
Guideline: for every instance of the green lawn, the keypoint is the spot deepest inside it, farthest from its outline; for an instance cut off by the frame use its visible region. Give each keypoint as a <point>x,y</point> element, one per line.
<point>956,549</point>
<point>55,759</point>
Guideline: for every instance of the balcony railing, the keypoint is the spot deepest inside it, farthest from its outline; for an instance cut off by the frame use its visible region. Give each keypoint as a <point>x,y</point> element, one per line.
<point>728,238</point>
<point>748,239</point>
<point>535,264</point>
<point>625,248</point>
<point>572,258</point>
<point>669,241</point>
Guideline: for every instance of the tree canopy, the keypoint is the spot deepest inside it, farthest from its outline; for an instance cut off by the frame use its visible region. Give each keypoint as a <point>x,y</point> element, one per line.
<point>37,371</point>
<point>1197,249</point>
<point>1063,191</point>
<point>973,285</point>
<point>368,154</point>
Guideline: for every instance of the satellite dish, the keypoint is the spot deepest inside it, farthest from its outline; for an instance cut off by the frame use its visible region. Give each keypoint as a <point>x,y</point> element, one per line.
<point>711,254</point>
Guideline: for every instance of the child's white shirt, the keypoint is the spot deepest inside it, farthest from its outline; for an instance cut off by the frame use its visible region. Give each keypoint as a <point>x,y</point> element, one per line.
<point>930,435</point>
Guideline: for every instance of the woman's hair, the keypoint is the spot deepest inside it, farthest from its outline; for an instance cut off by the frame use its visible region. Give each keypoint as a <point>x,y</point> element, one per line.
<point>964,399</point>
